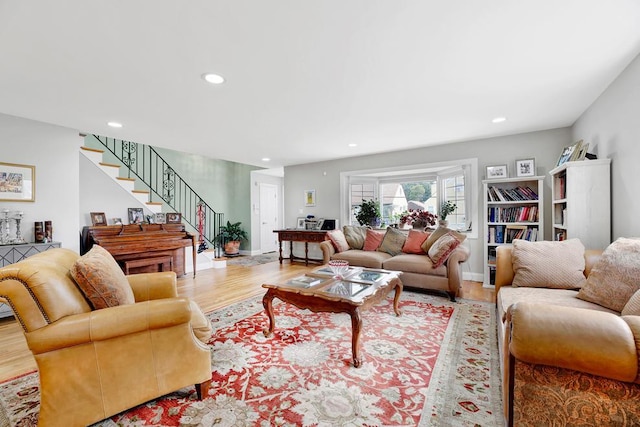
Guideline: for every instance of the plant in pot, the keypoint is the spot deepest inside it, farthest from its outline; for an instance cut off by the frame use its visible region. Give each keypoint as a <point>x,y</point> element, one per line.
<point>369,213</point>
<point>446,208</point>
<point>231,235</point>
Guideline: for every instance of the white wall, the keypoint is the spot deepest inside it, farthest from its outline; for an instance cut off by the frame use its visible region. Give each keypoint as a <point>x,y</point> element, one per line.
<point>53,150</point>
<point>324,177</point>
<point>612,128</point>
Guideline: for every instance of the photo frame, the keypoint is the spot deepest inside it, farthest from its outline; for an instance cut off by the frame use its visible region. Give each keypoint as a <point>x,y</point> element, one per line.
<point>160,218</point>
<point>173,218</point>
<point>497,171</point>
<point>17,183</point>
<point>310,197</point>
<point>569,153</point>
<point>117,221</point>
<point>526,167</point>
<point>300,223</point>
<point>136,215</point>
<point>98,218</point>
<point>319,223</point>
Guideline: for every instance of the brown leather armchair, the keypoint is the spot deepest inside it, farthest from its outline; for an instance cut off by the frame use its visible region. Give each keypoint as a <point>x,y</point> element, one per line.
<point>96,363</point>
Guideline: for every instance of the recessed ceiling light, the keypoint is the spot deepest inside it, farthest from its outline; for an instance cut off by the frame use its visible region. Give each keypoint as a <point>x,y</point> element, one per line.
<point>353,145</point>
<point>266,159</point>
<point>215,79</point>
<point>114,124</point>
<point>499,120</point>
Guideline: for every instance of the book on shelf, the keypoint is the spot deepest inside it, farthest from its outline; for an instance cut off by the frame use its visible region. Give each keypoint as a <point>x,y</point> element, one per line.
<point>513,214</point>
<point>517,194</point>
<point>305,281</point>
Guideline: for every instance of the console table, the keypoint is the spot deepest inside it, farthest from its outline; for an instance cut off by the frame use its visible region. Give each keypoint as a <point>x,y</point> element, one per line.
<point>10,254</point>
<point>300,235</point>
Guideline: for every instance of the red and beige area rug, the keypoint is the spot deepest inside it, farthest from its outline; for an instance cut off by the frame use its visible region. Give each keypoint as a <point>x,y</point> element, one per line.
<point>434,365</point>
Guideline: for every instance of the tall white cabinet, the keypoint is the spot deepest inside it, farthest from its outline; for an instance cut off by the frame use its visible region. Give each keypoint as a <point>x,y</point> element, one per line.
<point>513,209</point>
<point>581,197</point>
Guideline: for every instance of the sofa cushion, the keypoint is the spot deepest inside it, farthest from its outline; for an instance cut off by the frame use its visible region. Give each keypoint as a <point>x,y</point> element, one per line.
<point>439,252</point>
<point>616,276</point>
<point>369,259</point>
<point>632,307</point>
<point>373,240</point>
<point>414,242</point>
<point>355,235</point>
<point>558,265</point>
<point>101,279</point>
<point>393,241</point>
<point>437,233</point>
<point>413,263</point>
<point>338,240</point>
<point>509,295</point>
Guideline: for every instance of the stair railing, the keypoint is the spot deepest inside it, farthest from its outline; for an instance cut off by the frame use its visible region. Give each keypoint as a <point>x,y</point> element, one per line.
<point>148,165</point>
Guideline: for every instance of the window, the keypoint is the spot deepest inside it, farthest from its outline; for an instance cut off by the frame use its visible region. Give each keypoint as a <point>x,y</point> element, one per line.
<point>417,187</point>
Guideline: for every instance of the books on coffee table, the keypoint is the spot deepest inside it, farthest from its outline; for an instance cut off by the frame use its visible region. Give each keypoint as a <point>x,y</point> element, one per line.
<point>305,281</point>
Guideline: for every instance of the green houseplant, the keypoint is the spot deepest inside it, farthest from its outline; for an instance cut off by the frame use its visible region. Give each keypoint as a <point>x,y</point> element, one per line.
<point>446,208</point>
<point>368,213</point>
<point>231,235</point>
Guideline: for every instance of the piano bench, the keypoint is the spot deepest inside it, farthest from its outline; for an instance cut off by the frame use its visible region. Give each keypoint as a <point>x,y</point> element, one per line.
<point>160,261</point>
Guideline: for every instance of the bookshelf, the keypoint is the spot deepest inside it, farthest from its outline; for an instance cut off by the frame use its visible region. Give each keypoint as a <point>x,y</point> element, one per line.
<point>581,202</point>
<point>513,209</point>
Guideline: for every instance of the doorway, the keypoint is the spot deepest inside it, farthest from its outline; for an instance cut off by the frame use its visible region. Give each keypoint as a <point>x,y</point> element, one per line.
<point>268,217</point>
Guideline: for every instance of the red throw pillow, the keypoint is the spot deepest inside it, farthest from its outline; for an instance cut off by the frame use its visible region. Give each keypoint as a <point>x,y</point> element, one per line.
<point>373,240</point>
<point>414,242</point>
<point>338,240</point>
<point>439,252</point>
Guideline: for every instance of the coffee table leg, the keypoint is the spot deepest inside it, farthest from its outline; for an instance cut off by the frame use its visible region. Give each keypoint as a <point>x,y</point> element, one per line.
<point>356,327</point>
<point>396,298</point>
<point>267,302</point>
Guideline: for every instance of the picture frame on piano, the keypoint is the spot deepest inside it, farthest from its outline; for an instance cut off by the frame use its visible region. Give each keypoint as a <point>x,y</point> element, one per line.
<point>98,218</point>
<point>160,218</point>
<point>173,218</point>
<point>136,215</point>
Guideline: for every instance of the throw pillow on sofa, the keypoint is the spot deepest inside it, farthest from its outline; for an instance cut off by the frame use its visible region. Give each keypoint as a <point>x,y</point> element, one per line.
<point>373,240</point>
<point>439,252</point>
<point>615,278</point>
<point>355,235</point>
<point>414,242</point>
<point>632,307</point>
<point>545,264</point>
<point>439,232</point>
<point>393,241</point>
<point>101,279</point>
<point>338,240</point>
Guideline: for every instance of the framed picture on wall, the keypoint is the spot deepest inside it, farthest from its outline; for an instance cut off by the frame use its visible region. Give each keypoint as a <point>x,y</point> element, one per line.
<point>310,197</point>
<point>17,183</point>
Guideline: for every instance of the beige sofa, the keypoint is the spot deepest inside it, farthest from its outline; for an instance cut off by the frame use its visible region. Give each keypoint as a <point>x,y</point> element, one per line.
<point>565,361</point>
<point>417,269</point>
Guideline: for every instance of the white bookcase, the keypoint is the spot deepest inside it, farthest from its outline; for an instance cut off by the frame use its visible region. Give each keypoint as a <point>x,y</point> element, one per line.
<point>581,197</point>
<point>513,209</point>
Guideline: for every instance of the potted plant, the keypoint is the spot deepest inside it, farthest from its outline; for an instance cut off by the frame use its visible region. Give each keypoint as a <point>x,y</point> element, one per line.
<point>446,208</point>
<point>418,219</point>
<point>369,213</point>
<point>231,235</point>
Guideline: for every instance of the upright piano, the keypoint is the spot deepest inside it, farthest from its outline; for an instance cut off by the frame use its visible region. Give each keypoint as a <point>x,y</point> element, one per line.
<point>143,248</point>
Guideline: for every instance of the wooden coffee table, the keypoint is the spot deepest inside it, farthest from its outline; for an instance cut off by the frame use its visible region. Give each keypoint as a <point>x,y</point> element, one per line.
<point>359,290</point>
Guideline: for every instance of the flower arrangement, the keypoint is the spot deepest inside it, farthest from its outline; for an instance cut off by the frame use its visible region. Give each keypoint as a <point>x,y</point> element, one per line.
<point>418,217</point>
<point>447,208</point>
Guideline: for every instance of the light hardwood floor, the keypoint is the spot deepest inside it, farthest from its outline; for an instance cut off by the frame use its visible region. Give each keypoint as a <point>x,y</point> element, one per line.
<point>211,289</point>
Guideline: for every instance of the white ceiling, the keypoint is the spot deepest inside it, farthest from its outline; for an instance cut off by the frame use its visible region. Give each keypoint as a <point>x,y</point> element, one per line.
<point>306,78</point>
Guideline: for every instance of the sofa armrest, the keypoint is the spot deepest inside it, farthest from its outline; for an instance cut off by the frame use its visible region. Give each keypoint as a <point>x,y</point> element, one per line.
<point>504,267</point>
<point>327,250</point>
<point>594,342</point>
<point>109,323</point>
<point>151,286</point>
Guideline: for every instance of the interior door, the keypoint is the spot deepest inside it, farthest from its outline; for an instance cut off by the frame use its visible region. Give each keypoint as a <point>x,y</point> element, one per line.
<point>268,217</point>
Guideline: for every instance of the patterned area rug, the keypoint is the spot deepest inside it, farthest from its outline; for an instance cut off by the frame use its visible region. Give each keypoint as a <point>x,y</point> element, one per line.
<point>433,366</point>
<point>250,261</point>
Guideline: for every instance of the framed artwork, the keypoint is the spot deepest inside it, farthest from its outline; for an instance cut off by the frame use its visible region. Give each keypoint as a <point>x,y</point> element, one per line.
<point>173,218</point>
<point>117,221</point>
<point>98,218</point>
<point>526,167</point>
<point>17,183</point>
<point>300,223</point>
<point>136,215</point>
<point>570,153</point>
<point>310,197</point>
<point>319,224</point>
<point>498,171</point>
<point>160,218</point>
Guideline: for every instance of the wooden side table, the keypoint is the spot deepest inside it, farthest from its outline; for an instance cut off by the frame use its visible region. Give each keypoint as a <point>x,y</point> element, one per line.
<point>306,236</point>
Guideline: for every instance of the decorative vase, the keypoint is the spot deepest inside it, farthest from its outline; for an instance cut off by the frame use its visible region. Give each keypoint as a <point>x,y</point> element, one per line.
<point>232,247</point>
<point>419,225</point>
<point>443,223</point>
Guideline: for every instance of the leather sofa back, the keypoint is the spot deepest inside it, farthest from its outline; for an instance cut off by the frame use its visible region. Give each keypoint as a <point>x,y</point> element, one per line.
<point>40,289</point>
